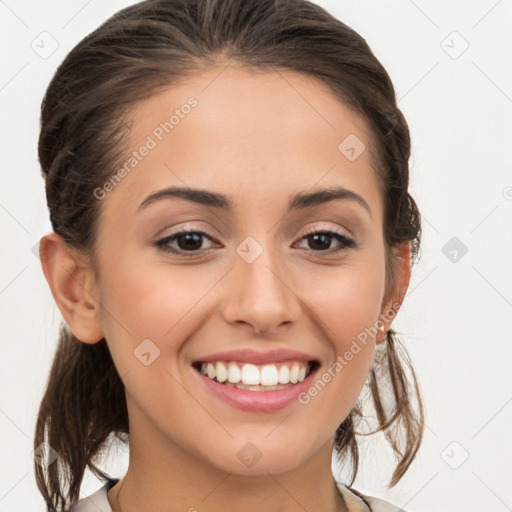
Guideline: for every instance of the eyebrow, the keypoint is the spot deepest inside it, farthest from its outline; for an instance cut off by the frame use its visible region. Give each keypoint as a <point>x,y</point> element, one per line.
<point>299,201</point>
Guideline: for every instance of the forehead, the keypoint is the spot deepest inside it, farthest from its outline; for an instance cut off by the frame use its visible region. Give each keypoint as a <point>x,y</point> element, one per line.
<point>234,130</point>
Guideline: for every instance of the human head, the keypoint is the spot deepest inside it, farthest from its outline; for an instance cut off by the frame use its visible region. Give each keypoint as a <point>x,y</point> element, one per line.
<point>143,51</point>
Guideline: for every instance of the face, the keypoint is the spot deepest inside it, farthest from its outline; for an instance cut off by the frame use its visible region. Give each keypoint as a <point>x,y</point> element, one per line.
<point>254,274</point>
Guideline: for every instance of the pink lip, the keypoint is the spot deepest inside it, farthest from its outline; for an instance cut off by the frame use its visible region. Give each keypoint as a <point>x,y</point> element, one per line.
<point>257,401</point>
<point>255,357</point>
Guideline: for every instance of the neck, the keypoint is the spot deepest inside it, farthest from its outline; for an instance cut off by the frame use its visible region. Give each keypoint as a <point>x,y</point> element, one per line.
<point>163,477</point>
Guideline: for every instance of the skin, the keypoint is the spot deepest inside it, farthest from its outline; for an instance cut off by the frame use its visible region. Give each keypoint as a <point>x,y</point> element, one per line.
<point>258,137</point>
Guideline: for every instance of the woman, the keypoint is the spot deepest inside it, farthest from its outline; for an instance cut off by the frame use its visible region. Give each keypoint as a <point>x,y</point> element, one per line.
<point>232,239</point>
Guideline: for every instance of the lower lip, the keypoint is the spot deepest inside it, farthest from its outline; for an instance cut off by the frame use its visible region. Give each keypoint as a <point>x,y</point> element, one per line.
<point>257,401</point>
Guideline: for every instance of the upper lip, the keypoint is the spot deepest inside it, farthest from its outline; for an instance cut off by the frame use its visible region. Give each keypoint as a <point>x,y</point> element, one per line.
<point>253,356</point>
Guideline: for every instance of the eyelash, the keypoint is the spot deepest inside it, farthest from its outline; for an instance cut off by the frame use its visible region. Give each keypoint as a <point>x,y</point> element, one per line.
<point>347,243</point>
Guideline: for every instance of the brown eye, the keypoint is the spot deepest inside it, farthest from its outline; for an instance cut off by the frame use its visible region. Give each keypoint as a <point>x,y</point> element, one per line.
<point>187,241</point>
<point>320,241</point>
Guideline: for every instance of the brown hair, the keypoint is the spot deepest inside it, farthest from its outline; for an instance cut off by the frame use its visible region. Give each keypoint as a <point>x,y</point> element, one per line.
<point>135,53</point>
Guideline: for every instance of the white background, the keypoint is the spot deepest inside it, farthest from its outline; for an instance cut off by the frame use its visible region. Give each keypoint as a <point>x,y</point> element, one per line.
<point>455,320</point>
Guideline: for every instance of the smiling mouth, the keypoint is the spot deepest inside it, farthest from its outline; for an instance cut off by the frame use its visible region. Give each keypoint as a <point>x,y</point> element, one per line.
<point>251,377</point>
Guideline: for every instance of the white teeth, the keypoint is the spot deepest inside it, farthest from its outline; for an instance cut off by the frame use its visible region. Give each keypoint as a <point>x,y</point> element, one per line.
<point>234,373</point>
<point>249,375</point>
<point>294,374</point>
<point>269,376</point>
<point>284,374</point>
<point>257,388</point>
<point>221,372</point>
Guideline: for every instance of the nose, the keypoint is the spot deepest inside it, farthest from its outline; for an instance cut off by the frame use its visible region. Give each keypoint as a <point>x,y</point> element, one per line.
<point>261,295</point>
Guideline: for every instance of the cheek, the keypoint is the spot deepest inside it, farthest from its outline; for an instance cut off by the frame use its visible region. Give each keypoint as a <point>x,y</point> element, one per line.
<point>346,300</point>
<point>151,301</point>
<point>346,305</point>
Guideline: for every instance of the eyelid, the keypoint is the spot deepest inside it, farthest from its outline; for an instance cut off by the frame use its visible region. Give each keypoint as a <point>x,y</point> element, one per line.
<point>162,242</point>
<point>326,227</point>
<point>330,227</point>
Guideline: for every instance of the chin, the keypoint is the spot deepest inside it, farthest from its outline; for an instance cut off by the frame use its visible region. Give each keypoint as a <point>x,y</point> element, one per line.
<point>257,458</point>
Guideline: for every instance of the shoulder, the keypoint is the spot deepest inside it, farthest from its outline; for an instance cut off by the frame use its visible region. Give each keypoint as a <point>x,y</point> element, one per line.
<point>379,505</point>
<point>359,502</point>
<point>97,501</point>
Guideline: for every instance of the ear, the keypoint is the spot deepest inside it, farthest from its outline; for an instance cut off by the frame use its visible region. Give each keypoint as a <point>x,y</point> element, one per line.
<point>402,277</point>
<point>72,284</point>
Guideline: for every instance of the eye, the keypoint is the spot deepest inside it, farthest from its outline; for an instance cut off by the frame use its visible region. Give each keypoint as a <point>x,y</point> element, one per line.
<point>188,241</point>
<point>320,240</point>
